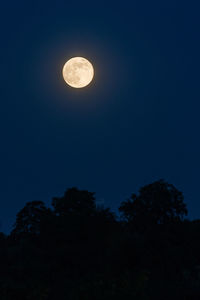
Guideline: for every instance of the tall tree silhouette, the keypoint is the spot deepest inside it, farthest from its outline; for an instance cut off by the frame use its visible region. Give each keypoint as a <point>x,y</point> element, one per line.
<point>157,203</point>
<point>81,251</point>
<point>74,201</point>
<point>29,219</point>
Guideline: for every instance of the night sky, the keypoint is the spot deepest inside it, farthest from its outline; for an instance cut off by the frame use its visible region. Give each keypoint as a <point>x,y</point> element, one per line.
<point>137,122</point>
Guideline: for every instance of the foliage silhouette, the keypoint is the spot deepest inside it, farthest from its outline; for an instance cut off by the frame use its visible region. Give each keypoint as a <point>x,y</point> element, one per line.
<point>29,219</point>
<point>74,201</point>
<point>157,203</point>
<point>76,250</point>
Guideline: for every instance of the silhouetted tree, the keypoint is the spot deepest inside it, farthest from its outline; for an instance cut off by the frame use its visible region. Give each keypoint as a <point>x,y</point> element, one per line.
<point>29,219</point>
<point>74,201</point>
<point>81,251</point>
<point>157,203</point>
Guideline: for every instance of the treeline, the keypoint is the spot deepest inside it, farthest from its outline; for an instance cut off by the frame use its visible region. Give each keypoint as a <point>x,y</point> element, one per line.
<point>77,250</point>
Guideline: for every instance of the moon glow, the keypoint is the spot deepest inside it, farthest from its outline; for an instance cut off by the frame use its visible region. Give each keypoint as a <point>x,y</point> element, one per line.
<point>78,72</point>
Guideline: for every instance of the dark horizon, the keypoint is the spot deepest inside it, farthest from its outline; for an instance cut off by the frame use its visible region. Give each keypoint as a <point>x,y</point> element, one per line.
<point>76,250</point>
<point>100,202</point>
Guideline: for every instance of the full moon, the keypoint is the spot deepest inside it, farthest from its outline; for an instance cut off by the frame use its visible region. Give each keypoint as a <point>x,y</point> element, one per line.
<point>78,72</point>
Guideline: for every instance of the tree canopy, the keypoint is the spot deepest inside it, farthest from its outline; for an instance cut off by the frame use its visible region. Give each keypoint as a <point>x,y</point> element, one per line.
<point>156,203</point>
<point>77,250</point>
<point>29,219</point>
<point>74,201</point>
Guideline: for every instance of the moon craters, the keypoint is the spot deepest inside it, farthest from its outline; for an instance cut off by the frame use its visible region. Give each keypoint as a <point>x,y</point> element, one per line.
<point>78,72</point>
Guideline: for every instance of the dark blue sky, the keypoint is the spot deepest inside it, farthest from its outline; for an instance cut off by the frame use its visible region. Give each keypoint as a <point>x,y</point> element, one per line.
<point>137,122</point>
